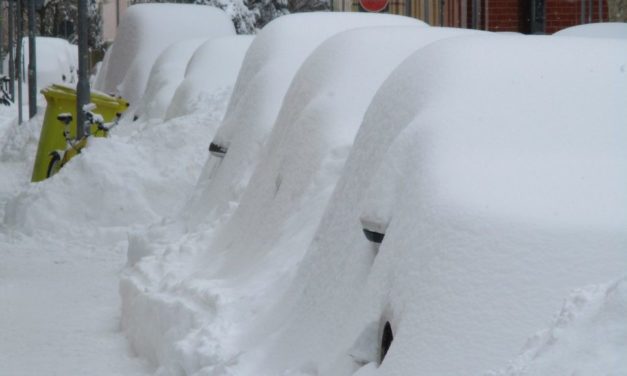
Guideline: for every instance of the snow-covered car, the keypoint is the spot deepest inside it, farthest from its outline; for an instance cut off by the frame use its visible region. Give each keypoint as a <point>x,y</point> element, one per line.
<point>57,61</point>
<point>289,187</point>
<point>596,30</point>
<point>338,257</point>
<point>144,32</point>
<point>271,62</point>
<point>165,75</point>
<point>212,70</point>
<point>504,193</point>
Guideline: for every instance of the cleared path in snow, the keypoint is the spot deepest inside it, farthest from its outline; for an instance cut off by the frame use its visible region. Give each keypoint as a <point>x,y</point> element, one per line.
<point>59,309</point>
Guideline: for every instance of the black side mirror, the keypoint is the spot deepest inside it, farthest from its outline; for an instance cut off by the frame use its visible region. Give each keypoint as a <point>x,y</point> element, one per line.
<point>217,150</point>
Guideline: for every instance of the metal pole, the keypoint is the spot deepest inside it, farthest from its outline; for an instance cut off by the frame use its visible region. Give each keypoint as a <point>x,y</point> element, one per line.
<point>20,60</point>
<point>590,11</point>
<point>11,47</point>
<point>426,3</point>
<point>1,37</point>
<point>600,10</point>
<point>82,88</point>
<point>32,61</point>
<point>408,8</point>
<point>583,11</point>
<point>117,12</point>
<point>474,14</point>
<point>441,12</point>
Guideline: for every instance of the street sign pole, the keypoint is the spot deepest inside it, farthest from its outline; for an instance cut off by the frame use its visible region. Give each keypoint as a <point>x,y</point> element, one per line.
<point>82,89</point>
<point>20,60</point>
<point>11,47</point>
<point>32,61</point>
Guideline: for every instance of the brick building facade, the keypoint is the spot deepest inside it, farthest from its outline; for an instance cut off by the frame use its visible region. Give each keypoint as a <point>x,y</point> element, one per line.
<point>523,16</point>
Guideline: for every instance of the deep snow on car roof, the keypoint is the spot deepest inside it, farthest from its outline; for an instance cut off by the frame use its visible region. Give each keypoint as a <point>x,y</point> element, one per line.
<point>144,32</point>
<point>504,193</point>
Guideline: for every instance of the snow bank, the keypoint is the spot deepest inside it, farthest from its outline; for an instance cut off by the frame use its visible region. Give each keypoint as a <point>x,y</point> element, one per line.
<point>269,66</point>
<point>596,30</point>
<point>166,74</point>
<point>144,32</point>
<point>499,200</point>
<point>212,68</point>
<point>586,338</point>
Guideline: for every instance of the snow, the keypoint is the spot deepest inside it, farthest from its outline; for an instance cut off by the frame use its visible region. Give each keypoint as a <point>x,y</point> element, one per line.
<point>270,64</point>
<point>596,30</point>
<point>265,210</point>
<point>498,211</point>
<point>57,61</point>
<point>493,163</point>
<point>585,338</point>
<point>145,31</point>
<point>166,74</point>
<point>212,68</point>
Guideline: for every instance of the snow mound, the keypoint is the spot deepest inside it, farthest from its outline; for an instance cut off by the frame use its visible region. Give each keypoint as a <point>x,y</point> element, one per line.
<point>271,62</point>
<point>213,67</point>
<point>596,30</point>
<point>144,32</point>
<point>166,74</point>
<point>587,337</point>
<point>494,212</point>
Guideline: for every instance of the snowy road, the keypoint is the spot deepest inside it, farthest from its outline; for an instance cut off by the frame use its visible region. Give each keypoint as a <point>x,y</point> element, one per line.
<point>59,310</point>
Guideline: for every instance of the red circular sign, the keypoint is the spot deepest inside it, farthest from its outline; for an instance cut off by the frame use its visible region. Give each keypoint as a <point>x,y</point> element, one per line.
<point>373,5</point>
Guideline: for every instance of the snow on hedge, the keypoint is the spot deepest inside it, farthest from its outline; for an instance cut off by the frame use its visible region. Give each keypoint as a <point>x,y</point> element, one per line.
<point>165,75</point>
<point>596,30</point>
<point>144,32</point>
<point>212,68</point>
<point>504,193</point>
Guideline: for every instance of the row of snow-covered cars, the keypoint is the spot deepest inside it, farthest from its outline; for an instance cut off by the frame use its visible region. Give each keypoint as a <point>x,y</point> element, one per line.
<point>384,197</point>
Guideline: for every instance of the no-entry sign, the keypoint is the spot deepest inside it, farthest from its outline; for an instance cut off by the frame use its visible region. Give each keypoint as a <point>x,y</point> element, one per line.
<point>373,5</point>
